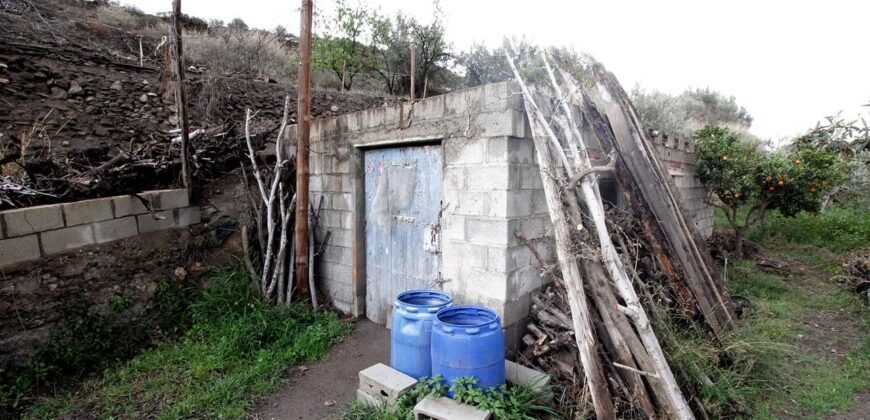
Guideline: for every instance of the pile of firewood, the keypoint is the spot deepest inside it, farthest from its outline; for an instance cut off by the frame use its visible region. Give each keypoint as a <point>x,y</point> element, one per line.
<point>603,300</point>
<point>857,275</point>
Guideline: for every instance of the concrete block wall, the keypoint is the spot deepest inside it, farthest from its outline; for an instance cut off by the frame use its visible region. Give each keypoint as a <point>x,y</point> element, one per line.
<point>31,233</point>
<point>679,157</point>
<point>488,187</point>
<point>491,191</point>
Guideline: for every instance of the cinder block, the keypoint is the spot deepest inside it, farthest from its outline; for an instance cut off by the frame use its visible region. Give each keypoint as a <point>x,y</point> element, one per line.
<point>384,381</point>
<point>332,183</point>
<point>487,231</point>
<point>370,400</point>
<point>501,96</point>
<point>127,205</point>
<point>16,250</point>
<point>68,239</point>
<point>172,199</point>
<point>430,108</point>
<point>489,178</point>
<point>147,223</point>
<point>441,408</point>
<point>32,219</point>
<point>113,230</point>
<point>521,375</point>
<point>488,285</point>
<point>87,211</point>
<point>465,151</point>
<point>187,216</point>
<point>342,202</point>
<point>315,183</point>
<point>453,227</point>
<point>516,310</point>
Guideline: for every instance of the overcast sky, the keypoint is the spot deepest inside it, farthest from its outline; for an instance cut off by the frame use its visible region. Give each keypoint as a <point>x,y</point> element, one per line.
<point>790,63</point>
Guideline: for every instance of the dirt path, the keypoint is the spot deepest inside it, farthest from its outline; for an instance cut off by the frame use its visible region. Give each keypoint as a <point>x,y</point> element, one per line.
<point>831,332</point>
<point>323,390</point>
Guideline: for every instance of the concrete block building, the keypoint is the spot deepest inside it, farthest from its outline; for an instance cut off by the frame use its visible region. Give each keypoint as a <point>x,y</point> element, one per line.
<point>436,195</point>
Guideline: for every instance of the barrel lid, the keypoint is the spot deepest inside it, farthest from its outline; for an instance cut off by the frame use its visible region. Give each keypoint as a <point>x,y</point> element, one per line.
<point>423,300</point>
<point>468,319</point>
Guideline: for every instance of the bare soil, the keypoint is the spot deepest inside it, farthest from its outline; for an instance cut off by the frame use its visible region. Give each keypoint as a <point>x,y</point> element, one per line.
<point>322,391</point>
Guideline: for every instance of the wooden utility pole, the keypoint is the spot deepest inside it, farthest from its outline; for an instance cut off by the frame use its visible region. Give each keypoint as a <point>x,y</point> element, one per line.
<point>413,69</point>
<point>181,97</point>
<point>303,131</point>
<point>141,56</point>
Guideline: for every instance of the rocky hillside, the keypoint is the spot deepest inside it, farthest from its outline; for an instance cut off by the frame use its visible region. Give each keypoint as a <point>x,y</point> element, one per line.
<point>73,99</point>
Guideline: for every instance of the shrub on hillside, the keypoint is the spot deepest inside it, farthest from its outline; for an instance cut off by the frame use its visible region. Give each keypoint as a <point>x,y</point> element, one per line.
<point>249,54</point>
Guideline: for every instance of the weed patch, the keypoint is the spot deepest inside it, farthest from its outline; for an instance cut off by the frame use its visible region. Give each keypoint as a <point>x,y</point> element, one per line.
<point>504,402</point>
<point>236,349</point>
<point>777,361</point>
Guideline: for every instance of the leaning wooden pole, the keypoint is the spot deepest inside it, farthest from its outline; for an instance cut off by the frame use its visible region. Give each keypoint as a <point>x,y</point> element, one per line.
<point>580,313</point>
<point>303,131</point>
<point>181,97</point>
<point>671,396</point>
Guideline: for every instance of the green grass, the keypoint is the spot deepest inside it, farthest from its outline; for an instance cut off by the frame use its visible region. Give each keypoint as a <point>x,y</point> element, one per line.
<point>763,370</point>
<point>836,229</point>
<point>236,350</point>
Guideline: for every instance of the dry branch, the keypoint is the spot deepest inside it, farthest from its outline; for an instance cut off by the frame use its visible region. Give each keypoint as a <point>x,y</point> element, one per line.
<point>599,287</point>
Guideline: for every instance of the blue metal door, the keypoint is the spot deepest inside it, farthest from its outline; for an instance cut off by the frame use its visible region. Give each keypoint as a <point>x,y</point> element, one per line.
<point>403,231</point>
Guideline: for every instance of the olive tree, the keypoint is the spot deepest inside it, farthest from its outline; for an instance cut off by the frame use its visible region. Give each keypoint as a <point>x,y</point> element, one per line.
<point>683,114</point>
<point>344,44</point>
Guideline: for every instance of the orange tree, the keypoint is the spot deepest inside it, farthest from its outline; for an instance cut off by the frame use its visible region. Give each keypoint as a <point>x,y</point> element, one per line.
<point>740,177</point>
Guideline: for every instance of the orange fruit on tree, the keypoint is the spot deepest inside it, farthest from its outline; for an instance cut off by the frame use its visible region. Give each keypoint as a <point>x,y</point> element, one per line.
<point>780,183</point>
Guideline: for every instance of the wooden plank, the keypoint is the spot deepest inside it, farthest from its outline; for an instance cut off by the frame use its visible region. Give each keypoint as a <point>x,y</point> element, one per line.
<point>680,247</point>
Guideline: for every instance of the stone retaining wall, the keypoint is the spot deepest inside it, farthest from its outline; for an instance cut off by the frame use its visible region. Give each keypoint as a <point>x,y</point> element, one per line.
<point>31,233</point>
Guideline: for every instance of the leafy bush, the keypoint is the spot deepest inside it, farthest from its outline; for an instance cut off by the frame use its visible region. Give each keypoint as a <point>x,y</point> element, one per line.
<point>739,175</point>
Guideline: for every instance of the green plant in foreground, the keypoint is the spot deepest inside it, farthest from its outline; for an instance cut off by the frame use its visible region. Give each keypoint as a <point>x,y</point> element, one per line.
<point>236,350</point>
<point>86,341</point>
<point>756,371</point>
<point>504,402</point>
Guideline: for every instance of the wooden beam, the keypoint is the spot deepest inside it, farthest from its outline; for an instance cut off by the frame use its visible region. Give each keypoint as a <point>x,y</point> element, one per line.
<point>181,97</point>
<point>303,132</point>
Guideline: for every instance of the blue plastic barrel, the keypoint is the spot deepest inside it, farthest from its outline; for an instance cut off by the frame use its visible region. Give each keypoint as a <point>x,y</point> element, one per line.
<point>468,341</point>
<point>413,313</point>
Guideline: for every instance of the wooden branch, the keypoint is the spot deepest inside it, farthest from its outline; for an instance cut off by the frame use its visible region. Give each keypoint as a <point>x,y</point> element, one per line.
<point>637,371</point>
<point>672,399</point>
<point>584,334</point>
<point>572,183</point>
